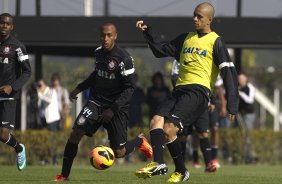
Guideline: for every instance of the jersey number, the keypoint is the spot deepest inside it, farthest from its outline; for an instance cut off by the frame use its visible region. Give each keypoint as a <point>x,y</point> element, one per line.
<point>87,111</point>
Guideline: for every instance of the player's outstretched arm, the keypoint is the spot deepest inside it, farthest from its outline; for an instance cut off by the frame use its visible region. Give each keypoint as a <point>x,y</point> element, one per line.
<point>159,49</point>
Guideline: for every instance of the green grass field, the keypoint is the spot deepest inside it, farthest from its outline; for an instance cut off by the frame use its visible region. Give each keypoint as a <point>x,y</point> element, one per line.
<point>122,174</point>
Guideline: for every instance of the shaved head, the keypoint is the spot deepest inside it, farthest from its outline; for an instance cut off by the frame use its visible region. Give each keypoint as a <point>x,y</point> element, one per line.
<point>203,17</point>
<point>110,25</point>
<point>207,8</point>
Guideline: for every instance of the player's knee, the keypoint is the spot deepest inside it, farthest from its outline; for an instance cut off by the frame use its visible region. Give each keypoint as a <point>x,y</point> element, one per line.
<point>157,122</point>
<point>170,130</point>
<point>203,135</point>
<point>119,153</point>
<point>4,135</point>
<point>76,136</point>
<point>3,138</point>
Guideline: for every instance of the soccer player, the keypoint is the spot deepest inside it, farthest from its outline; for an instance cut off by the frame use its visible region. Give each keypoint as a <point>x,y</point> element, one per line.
<point>14,72</point>
<point>207,121</point>
<point>202,54</point>
<point>111,86</point>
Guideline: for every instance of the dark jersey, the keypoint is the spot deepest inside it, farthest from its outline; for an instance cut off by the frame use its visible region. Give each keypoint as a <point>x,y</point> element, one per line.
<point>220,58</point>
<point>111,83</point>
<point>14,66</point>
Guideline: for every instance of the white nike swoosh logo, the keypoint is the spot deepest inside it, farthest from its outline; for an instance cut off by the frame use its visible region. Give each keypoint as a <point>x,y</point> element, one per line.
<point>121,144</point>
<point>4,123</point>
<point>174,116</point>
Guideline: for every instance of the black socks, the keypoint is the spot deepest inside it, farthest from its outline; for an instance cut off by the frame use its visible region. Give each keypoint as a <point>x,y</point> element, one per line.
<point>69,155</point>
<point>13,143</point>
<point>175,150</point>
<point>158,143</point>
<point>131,145</point>
<point>206,149</point>
<point>214,151</point>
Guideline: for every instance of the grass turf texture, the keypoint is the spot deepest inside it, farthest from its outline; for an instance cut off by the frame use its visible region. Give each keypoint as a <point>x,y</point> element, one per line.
<point>122,174</point>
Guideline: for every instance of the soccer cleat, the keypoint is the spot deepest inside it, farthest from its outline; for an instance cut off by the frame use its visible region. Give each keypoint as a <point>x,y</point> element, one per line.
<point>21,159</point>
<point>197,165</point>
<point>210,168</point>
<point>145,146</point>
<point>216,163</point>
<point>178,177</point>
<point>60,178</point>
<point>151,169</point>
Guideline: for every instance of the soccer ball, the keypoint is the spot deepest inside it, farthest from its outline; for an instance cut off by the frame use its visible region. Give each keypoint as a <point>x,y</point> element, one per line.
<point>102,157</point>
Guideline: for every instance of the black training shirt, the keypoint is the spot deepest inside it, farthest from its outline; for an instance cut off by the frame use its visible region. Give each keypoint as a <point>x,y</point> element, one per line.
<point>15,69</point>
<point>111,83</point>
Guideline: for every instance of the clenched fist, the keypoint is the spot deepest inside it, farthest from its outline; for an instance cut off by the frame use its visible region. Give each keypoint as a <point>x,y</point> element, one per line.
<point>140,24</point>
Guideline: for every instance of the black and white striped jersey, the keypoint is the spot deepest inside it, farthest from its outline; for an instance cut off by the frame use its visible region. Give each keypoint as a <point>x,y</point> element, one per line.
<point>15,69</point>
<point>111,83</point>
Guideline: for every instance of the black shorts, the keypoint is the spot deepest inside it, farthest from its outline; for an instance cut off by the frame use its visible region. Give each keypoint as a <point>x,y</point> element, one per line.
<point>8,114</point>
<point>184,108</point>
<point>201,125</point>
<point>88,120</point>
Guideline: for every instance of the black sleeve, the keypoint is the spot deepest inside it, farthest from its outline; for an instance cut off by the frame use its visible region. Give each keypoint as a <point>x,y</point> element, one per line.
<point>172,48</point>
<point>25,68</point>
<point>87,82</point>
<point>228,74</point>
<point>126,69</point>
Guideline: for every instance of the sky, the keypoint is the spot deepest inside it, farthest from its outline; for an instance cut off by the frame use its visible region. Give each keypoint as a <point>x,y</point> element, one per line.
<point>224,8</point>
